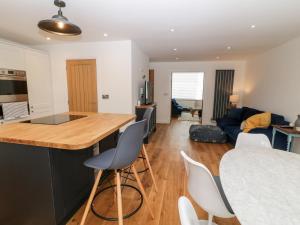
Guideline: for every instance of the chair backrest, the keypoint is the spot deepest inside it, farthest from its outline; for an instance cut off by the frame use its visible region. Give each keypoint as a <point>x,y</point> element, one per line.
<point>129,145</point>
<point>245,140</point>
<point>187,212</point>
<point>203,189</point>
<point>147,116</point>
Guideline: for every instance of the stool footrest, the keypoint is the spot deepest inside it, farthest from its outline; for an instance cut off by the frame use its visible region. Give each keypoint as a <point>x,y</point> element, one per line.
<point>116,218</point>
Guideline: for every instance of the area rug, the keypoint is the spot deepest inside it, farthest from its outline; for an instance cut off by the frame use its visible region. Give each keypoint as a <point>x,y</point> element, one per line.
<point>187,116</point>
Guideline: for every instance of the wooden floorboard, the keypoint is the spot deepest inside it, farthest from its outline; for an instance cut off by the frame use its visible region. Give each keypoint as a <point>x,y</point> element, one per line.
<point>164,153</point>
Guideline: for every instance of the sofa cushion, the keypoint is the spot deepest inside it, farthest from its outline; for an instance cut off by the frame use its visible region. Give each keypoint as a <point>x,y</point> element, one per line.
<point>278,120</point>
<point>233,132</point>
<point>248,112</point>
<point>235,114</point>
<point>224,122</point>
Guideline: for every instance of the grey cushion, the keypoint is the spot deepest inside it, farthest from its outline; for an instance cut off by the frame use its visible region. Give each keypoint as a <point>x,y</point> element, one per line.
<point>207,133</point>
<point>219,185</point>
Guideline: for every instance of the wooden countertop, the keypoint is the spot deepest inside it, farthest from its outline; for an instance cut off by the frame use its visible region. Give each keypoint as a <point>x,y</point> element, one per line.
<point>73,135</point>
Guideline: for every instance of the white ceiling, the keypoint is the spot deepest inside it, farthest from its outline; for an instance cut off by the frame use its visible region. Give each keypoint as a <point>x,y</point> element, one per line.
<point>203,28</point>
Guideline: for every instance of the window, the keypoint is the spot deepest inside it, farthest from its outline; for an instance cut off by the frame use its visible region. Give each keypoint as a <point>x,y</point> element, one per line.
<point>187,85</point>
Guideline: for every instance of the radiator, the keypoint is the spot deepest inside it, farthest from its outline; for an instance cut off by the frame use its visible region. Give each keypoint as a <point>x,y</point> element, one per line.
<point>223,89</point>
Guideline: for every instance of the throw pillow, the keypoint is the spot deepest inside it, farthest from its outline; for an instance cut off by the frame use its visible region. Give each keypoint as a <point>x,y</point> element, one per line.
<point>262,120</point>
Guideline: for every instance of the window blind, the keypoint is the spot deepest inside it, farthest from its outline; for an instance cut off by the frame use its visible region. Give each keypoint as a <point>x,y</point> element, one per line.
<point>187,85</point>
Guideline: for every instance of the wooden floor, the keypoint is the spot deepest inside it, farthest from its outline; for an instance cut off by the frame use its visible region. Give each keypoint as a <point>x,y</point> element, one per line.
<point>164,151</point>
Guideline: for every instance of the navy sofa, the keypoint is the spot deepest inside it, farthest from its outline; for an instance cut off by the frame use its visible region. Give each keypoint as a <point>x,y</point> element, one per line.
<point>231,124</point>
<point>177,109</point>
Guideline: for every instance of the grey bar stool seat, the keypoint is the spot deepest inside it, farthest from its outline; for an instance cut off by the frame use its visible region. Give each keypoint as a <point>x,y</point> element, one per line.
<point>103,161</point>
<point>124,155</point>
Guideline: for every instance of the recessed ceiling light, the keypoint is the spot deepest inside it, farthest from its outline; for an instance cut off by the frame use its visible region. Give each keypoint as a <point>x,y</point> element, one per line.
<point>48,38</point>
<point>229,47</point>
<point>174,49</point>
<point>172,30</point>
<point>105,35</point>
<point>253,26</point>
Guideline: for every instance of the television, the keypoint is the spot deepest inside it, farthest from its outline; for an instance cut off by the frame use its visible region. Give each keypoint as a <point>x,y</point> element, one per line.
<point>147,93</point>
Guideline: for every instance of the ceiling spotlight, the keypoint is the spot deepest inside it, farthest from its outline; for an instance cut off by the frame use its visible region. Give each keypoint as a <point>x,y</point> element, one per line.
<point>253,26</point>
<point>229,47</point>
<point>175,49</point>
<point>105,35</point>
<point>48,38</point>
<point>59,24</point>
<point>218,57</point>
<point>172,30</point>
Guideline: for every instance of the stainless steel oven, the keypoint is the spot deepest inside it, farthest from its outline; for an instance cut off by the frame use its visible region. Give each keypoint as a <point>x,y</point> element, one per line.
<point>13,86</point>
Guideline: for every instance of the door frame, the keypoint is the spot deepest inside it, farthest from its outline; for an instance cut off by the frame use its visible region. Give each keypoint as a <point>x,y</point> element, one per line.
<point>203,90</point>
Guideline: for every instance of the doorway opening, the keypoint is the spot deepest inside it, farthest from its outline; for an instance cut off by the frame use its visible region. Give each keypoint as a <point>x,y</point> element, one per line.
<point>187,96</point>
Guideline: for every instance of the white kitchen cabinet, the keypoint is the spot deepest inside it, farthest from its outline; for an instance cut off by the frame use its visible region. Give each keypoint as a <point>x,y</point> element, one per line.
<point>39,82</point>
<point>12,56</point>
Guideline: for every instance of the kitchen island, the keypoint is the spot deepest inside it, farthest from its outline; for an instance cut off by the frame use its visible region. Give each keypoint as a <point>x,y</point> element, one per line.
<point>43,180</point>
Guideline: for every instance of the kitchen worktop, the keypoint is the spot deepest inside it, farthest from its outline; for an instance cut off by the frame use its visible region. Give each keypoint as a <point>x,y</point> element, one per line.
<point>73,135</point>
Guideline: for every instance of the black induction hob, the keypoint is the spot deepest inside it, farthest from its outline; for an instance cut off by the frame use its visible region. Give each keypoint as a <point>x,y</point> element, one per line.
<point>55,119</point>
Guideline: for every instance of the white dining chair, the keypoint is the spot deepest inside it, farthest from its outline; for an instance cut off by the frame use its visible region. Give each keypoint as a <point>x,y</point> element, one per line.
<point>187,213</point>
<point>206,191</point>
<point>245,140</point>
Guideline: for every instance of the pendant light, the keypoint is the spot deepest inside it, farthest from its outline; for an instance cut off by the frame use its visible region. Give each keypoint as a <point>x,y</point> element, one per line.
<point>59,24</point>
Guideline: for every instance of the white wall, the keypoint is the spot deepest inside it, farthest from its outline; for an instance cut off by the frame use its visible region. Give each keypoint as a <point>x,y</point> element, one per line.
<point>162,84</point>
<point>113,73</point>
<point>140,69</point>
<point>272,81</point>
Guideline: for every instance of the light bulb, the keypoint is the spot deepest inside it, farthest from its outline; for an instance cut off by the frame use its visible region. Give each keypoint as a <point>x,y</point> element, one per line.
<point>60,25</point>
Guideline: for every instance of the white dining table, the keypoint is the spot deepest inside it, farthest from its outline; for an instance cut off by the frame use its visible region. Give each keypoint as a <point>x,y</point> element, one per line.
<point>262,185</point>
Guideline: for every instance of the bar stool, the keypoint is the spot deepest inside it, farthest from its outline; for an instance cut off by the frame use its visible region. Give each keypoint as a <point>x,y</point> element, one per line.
<point>147,116</point>
<point>116,159</point>
<point>144,155</point>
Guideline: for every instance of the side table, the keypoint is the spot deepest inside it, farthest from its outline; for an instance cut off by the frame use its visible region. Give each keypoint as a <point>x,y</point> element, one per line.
<point>289,131</point>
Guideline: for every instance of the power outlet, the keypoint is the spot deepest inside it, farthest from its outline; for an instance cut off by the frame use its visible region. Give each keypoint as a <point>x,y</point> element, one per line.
<point>105,96</point>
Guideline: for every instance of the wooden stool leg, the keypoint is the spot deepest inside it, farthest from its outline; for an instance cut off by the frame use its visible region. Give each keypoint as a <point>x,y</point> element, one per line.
<point>144,160</point>
<point>150,168</point>
<point>142,189</point>
<point>119,197</point>
<point>90,200</point>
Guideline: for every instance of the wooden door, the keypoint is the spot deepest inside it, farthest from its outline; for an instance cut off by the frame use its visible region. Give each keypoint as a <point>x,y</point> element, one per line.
<point>151,80</point>
<point>82,85</point>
